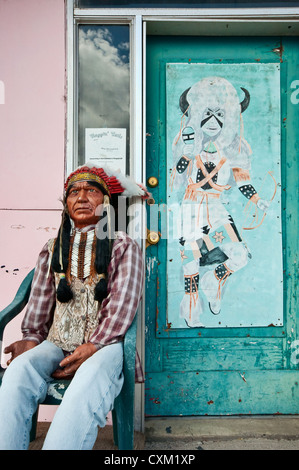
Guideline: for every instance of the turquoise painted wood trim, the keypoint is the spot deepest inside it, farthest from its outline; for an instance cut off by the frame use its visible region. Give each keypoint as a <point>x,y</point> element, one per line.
<point>290,144</point>
<point>223,393</point>
<point>218,354</point>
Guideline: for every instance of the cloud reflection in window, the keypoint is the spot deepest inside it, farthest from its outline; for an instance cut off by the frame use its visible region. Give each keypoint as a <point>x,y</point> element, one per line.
<point>104,79</point>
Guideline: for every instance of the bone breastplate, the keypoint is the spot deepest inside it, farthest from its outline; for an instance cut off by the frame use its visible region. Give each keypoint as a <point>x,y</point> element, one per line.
<point>75,321</point>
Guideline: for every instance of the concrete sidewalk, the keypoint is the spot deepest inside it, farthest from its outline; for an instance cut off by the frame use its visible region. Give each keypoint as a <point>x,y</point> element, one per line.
<point>204,433</point>
<point>223,433</point>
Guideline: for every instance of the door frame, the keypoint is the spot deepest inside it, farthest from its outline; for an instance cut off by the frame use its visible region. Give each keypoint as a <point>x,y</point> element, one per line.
<point>155,21</point>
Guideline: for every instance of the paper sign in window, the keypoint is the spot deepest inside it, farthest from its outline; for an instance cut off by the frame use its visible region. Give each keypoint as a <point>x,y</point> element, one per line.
<point>106,147</point>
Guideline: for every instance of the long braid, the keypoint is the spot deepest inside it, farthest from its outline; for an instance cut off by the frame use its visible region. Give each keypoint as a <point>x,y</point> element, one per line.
<point>103,251</point>
<point>60,258</point>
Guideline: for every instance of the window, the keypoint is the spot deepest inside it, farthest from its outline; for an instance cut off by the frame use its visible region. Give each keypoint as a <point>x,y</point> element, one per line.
<point>103,83</point>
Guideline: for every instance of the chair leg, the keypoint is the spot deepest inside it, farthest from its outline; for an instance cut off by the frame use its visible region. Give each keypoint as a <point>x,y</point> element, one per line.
<point>126,437</point>
<point>33,427</point>
<point>114,422</point>
<point>123,420</point>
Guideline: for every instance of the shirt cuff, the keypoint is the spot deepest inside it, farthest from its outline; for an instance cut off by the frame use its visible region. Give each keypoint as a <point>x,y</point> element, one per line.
<point>33,337</point>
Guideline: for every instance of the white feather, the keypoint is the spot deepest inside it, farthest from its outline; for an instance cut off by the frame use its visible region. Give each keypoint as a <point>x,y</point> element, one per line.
<point>131,188</point>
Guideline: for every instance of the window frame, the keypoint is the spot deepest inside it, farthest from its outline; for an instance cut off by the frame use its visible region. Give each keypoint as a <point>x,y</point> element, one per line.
<point>72,86</point>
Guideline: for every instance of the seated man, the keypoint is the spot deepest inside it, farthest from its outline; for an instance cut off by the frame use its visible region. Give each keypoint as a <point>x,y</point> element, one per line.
<point>85,292</point>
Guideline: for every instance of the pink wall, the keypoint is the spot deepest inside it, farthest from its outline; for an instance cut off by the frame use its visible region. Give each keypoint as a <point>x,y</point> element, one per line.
<point>32,138</point>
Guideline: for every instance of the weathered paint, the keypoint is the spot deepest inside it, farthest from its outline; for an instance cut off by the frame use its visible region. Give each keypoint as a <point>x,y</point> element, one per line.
<point>222,393</point>
<point>217,371</point>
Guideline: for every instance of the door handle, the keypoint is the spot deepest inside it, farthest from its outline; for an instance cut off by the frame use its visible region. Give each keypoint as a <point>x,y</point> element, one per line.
<point>152,182</point>
<point>152,238</point>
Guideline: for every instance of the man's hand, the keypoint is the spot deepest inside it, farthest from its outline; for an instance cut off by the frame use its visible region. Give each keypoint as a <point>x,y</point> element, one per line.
<point>18,347</point>
<point>72,362</point>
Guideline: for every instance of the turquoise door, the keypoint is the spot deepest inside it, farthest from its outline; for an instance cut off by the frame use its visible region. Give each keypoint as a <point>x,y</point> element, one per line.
<point>222,143</point>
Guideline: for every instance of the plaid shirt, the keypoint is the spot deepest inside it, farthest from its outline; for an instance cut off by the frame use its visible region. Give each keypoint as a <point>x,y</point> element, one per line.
<point>125,285</point>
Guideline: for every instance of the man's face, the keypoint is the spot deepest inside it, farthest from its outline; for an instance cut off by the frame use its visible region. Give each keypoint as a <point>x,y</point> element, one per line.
<point>82,202</point>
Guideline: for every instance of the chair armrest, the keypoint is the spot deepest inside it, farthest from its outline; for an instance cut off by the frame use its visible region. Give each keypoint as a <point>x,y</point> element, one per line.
<point>18,303</point>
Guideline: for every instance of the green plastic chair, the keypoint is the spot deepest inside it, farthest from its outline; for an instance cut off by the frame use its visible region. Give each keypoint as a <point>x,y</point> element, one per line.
<point>123,412</point>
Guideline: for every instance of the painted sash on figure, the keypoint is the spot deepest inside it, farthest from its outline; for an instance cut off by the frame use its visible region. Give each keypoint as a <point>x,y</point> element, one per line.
<point>224,250</point>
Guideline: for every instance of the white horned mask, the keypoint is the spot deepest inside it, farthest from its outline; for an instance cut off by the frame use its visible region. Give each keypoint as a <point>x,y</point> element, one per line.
<point>212,111</point>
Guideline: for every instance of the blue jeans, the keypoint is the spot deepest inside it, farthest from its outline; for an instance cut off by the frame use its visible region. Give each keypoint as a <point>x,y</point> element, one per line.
<point>85,405</point>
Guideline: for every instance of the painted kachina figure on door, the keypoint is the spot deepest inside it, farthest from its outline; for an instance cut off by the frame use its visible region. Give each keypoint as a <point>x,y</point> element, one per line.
<point>210,155</point>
